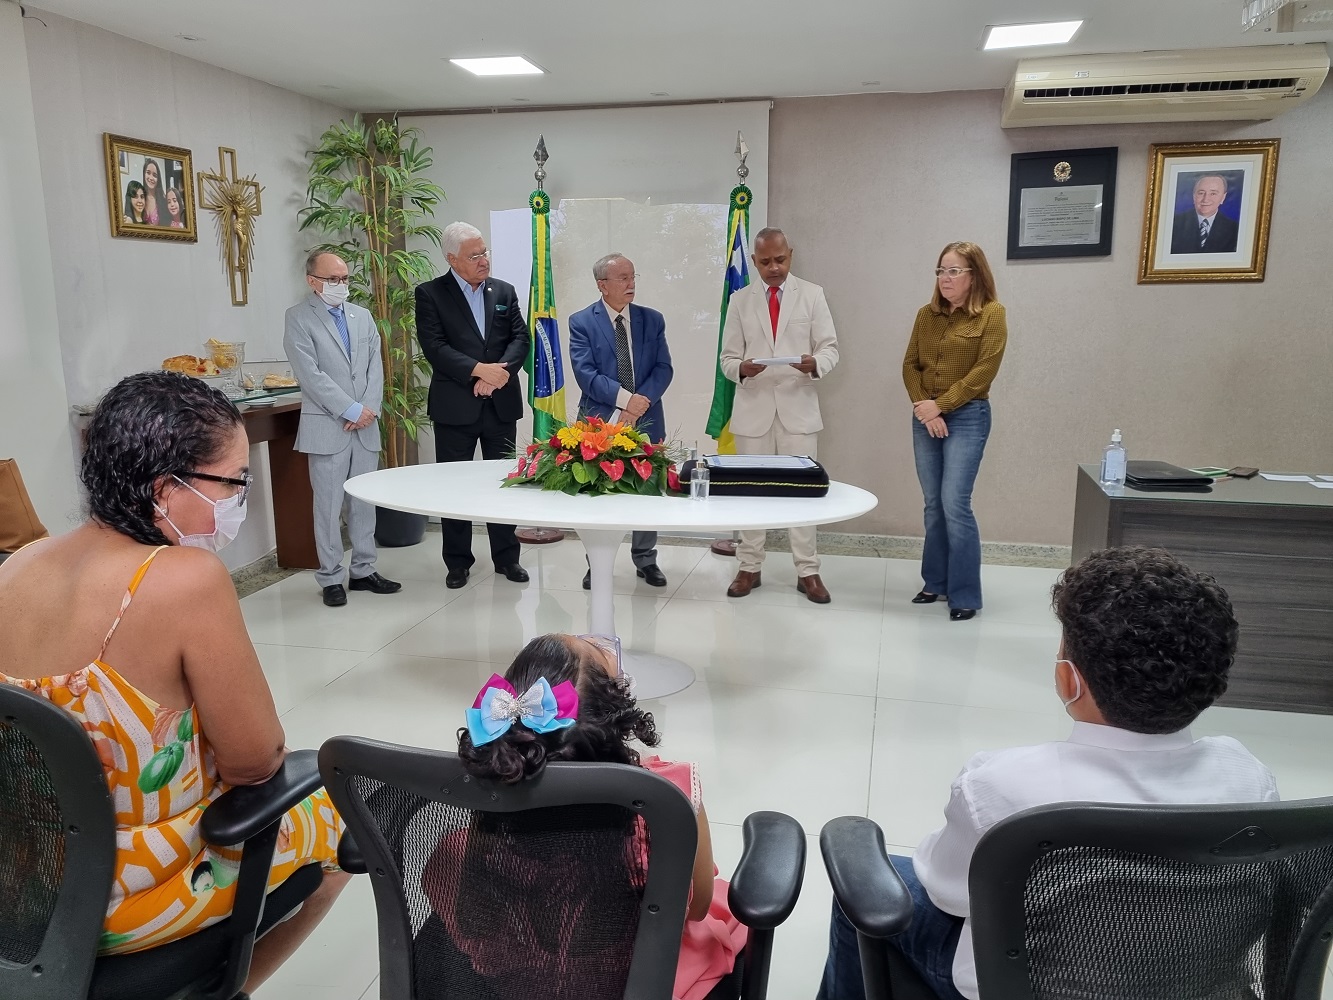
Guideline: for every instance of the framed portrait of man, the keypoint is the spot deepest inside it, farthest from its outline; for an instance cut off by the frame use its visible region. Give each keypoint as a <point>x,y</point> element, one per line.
<point>150,190</point>
<point>1208,210</point>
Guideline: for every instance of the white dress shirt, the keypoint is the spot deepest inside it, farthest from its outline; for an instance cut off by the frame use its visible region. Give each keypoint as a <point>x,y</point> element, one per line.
<point>1096,764</point>
<point>622,394</point>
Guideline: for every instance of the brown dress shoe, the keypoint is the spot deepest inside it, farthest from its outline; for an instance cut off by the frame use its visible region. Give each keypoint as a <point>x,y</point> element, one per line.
<point>743,584</point>
<point>813,588</point>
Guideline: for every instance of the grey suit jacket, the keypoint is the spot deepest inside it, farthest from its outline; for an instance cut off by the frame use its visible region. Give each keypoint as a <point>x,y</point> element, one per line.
<point>330,383</point>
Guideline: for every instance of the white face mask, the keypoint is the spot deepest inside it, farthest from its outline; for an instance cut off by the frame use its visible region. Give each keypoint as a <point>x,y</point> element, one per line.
<point>334,295</point>
<point>228,516</point>
<point>1078,683</point>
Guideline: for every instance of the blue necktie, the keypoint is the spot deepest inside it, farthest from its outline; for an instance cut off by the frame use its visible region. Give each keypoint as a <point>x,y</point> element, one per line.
<point>340,321</point>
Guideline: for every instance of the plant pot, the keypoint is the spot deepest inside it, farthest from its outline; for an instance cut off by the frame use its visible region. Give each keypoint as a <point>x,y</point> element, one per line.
<point>395,529</point>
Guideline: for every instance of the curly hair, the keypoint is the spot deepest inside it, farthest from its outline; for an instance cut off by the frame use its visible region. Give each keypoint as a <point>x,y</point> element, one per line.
<point>608,718</point>
<point>149,426</point>
<point>1152,638</point>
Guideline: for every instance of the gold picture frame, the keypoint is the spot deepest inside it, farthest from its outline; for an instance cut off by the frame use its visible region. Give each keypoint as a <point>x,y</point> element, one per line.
<point>1209,206</point>
<point>138,209</point>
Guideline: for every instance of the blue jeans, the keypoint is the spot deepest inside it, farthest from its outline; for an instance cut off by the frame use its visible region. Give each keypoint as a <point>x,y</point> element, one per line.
<point>928,944</point>
<point>947,469</point>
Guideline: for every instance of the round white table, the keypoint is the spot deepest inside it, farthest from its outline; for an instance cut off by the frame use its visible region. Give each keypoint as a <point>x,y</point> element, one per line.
<point>471,491</point>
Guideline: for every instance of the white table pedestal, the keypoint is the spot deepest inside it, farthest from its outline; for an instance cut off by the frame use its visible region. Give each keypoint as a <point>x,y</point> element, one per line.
<point>655,676</point>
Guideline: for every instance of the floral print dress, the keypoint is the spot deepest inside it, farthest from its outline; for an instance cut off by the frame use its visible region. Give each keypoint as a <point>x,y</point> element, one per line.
<point>162,776</point>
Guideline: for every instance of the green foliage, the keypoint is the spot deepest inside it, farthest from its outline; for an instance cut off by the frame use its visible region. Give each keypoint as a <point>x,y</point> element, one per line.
<point>368,197</point>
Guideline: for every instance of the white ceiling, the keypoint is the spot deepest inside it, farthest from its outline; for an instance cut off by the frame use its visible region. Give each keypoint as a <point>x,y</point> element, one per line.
<point>393,54</point>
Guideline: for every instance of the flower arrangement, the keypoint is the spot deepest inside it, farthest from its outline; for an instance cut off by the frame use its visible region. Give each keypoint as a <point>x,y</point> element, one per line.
<point>593,456</point>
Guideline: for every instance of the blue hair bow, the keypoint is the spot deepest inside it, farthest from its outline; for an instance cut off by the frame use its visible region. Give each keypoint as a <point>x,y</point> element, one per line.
<point>542,709</point>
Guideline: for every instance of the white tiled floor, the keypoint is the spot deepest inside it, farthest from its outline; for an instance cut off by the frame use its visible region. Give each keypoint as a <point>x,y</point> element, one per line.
<point>869,705</point>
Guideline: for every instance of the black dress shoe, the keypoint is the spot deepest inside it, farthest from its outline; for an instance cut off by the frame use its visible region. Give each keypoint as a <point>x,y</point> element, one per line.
<point>651,575</point>
<point>514,573</point>
<point>456,578</point>
<point>587,580</point>
<point>961,614</point>
<point>376,584</point>
<point>335,596</point>
<point>924,598</point>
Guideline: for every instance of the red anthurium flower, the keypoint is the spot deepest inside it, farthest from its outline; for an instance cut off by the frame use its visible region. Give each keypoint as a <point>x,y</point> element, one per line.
<point>614,470</point>
<point>534,448</point>
<point>522,467</point>
<point>648,449</point>
<point>589,452</point>
<point>643,467</point>
<point>554,442</point>
<point>563,457</point>
<point>673,477</point>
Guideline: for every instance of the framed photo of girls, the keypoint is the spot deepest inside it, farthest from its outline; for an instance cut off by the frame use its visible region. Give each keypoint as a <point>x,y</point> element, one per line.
<point>149,190</point>
<point>1208,210</point>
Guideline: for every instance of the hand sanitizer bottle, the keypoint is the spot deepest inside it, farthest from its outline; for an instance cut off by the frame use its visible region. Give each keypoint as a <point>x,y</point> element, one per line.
<point>1113,464</point>
<point>698,476</point>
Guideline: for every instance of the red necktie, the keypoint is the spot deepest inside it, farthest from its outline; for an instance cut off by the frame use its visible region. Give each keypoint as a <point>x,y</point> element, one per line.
<point>773,309</point>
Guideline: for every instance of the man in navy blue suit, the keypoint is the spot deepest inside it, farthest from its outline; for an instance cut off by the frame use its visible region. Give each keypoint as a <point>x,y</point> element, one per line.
<point>620,358</point>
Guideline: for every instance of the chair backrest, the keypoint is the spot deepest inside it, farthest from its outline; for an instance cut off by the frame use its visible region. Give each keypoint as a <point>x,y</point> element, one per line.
<point>1227,902</point>
<point>57,849</point>
<point>573,884</point>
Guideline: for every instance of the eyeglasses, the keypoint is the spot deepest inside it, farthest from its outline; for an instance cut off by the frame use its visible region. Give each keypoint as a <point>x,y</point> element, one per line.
<point>607,644</point>
<point>629,277</point>
<point>337,280</point>
<point>951,272</point>
<point>474,257</point>
<point>244,484</point>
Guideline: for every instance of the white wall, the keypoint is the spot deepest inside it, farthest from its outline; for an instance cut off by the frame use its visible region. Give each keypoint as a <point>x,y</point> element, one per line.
<point>34,413</point>
<point>125,304</point>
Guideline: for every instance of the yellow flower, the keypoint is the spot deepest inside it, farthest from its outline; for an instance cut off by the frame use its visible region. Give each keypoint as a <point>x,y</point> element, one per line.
<point>624,441</point>
<point>569,436</point>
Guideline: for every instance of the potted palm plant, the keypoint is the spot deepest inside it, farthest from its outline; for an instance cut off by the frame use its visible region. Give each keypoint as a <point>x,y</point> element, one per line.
<point>369,199</point>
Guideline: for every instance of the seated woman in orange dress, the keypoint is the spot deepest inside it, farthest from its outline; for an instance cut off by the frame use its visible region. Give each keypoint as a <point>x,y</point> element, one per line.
<point>130,623</point>
<point>594,718</point>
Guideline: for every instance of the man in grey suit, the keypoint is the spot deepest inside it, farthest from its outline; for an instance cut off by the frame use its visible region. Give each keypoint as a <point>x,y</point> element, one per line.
<point>334,351</point>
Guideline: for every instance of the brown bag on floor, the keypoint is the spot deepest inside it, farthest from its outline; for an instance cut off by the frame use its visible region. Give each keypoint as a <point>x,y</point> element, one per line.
<point>19,524</point>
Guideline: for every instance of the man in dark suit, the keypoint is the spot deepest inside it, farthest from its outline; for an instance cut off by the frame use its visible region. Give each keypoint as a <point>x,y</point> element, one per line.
<point>621,362</point>
<point>474,336</point>
<point>1205,230</point>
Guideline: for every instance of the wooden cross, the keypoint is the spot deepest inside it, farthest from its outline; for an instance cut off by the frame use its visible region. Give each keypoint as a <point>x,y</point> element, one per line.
<point>234,202</point>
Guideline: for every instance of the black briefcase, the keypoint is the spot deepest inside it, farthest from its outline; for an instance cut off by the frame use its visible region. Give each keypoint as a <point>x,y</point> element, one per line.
<point>761,476</point>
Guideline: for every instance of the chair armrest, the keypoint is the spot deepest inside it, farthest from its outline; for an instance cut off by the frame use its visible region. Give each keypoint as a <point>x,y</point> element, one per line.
<point>242,812</point>
<point>870,892</point>
<point>350,859</point>
<point>767,882</point>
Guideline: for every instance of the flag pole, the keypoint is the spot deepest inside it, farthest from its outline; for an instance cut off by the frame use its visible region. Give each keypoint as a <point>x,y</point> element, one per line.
<point>539,536</point>
<point>727,546</point>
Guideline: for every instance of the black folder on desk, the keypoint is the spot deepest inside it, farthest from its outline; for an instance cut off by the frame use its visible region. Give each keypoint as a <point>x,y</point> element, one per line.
<point>1163,477</point>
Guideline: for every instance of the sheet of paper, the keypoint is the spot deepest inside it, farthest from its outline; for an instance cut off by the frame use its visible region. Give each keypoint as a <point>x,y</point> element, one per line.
<point>760,462</point>
<point>766,362</point>
<point>1275,478</point>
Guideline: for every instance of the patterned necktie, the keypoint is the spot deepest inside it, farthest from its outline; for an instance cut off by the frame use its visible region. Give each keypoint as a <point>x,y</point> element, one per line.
<point>773,308</point>
<point>1204,225</point>
<point>624,365</point>
<point>340,321</point>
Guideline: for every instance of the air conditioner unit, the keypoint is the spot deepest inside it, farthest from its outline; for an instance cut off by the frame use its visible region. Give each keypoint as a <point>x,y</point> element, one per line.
<point>1252,82</point>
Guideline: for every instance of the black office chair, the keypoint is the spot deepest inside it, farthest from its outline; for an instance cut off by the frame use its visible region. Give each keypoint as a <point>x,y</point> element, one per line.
<point>548,893</point>
<point>1108,902</point>
<point>57,860</point>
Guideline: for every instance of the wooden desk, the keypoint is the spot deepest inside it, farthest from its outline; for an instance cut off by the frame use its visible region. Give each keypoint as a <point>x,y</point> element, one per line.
<point>1270,545</point>
<point>289,480</point>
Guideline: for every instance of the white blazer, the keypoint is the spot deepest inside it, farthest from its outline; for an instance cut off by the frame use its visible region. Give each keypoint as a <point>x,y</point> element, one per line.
<point>805,326</point>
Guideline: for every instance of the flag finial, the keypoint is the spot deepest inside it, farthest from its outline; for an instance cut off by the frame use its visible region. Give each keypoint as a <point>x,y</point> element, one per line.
<point>540,155</point>
<point>742,151</point>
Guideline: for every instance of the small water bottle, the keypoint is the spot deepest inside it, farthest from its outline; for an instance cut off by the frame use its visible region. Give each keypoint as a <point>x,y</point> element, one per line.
<point>698,476</point>
<point>1113,464</point>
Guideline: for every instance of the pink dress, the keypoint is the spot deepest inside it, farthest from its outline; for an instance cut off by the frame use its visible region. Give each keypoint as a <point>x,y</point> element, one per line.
<point>708,947</point>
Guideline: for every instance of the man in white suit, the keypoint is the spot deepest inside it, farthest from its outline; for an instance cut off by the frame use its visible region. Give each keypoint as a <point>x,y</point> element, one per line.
<point>334,350</point>
<point>776,409</point>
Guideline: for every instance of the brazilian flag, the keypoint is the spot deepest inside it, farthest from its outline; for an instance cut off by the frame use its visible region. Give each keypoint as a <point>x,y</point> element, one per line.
<point>737,276</point>
<point>545,368</point>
